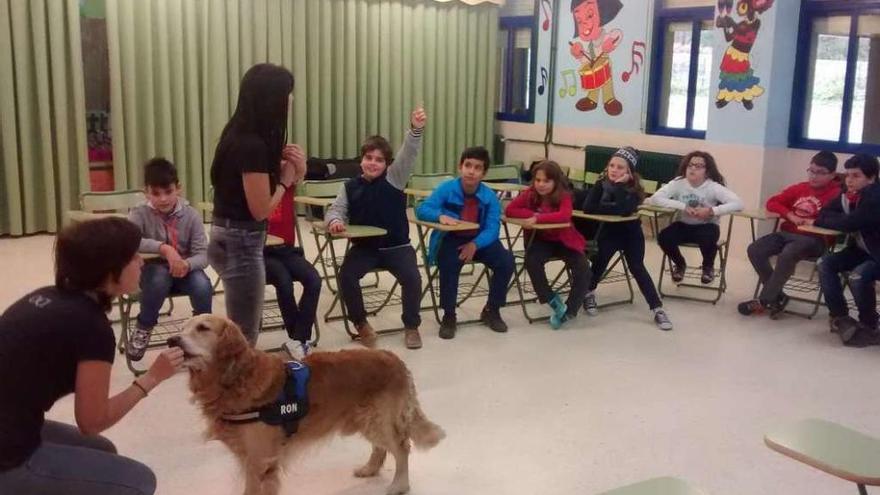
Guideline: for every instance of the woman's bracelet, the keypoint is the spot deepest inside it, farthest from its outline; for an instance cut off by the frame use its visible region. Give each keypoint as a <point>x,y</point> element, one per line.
<point>141,387</point>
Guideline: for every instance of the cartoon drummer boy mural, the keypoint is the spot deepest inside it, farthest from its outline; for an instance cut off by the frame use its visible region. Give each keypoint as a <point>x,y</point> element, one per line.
<point>591,47</point>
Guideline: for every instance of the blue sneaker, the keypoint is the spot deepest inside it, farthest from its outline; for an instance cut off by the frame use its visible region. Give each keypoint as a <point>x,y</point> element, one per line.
<point>559,308</point>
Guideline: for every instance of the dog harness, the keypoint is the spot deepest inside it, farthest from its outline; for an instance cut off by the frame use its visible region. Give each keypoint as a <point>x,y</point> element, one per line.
<point>291,405</point>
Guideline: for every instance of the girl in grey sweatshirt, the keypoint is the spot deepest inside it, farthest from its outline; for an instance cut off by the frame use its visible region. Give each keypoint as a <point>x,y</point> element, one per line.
<point>699,195</point>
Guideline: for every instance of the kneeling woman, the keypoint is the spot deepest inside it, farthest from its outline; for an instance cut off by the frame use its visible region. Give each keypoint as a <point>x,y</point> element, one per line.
<point>57,340</point>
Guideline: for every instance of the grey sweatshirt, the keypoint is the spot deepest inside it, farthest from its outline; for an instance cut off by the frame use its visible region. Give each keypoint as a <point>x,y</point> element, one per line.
<point>397,175</point>
<point>679,194</point>
<point>182,229</point>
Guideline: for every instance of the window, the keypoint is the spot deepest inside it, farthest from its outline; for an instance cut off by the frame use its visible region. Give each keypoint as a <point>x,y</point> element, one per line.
<point>836,96</point>
<point>683,59</point>
<point>516,61</point>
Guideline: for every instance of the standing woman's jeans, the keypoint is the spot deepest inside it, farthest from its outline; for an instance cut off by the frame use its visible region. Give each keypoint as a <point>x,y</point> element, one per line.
<point>237,256</point>
<point>70,463</point>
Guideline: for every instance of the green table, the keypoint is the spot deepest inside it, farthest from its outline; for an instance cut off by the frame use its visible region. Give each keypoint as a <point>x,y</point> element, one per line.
<point>656,486</point>
<point>830,447</point>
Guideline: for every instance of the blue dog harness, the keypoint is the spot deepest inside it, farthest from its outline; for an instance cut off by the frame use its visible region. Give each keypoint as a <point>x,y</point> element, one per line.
<point>291,405</point>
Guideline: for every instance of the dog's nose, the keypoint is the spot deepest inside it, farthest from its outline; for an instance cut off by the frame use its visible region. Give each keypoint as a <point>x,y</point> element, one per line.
<point>173,341</point>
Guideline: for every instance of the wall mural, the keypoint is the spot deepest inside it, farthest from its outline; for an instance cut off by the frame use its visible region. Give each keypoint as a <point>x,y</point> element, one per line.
<point>737,81</point>
<point>591,49</point>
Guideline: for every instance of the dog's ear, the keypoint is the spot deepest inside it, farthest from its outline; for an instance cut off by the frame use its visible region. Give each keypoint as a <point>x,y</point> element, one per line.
<point>231,346</point>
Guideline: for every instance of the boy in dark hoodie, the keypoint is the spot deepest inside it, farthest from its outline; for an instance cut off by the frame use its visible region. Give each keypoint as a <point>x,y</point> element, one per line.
<point>855,212</point>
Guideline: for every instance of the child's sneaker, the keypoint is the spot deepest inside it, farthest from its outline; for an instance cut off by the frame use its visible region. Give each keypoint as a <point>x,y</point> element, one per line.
<point>753,307</point>
<point>491,317</point>
<point>708,275</point>
<point>590,305</point>
<point>296,350</point>
<point>559,308</point>
<point>662,320</point>
<point>677,272</point>
<point>556,323</point>
<point>865,336</point>
<point>448,327</point>
<point>778,307</point>
<point>138,342</point>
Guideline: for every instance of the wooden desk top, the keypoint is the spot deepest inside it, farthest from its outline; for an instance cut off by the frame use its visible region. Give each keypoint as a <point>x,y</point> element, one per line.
<point>351,231</point>
<point>604,218</point>
<point>309,200</point>
<point>461,226</point>
<point>812,229</point>
<point>538,226</point>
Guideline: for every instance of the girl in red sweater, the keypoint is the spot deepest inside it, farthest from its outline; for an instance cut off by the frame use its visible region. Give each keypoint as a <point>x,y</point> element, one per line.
<point>548,200</point>
<point>286,264</point>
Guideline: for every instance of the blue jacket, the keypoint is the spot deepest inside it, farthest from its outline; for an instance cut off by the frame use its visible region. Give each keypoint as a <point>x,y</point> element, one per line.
<point>448,199</point>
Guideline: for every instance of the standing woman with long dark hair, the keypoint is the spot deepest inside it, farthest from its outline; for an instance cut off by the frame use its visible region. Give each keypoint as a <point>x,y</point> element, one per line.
<point>252,169</point>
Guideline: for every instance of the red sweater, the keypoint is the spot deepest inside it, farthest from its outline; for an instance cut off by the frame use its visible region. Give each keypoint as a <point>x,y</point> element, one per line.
<point>521,207</point>
<point>802,200</point>
<point>282,220</point>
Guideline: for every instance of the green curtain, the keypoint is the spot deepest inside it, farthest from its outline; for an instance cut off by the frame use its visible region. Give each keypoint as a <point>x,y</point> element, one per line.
<point>360,67</point>
<point>43,162</point>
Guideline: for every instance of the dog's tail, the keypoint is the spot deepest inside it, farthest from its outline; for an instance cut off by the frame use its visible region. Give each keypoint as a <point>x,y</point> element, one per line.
<point>424,433</point>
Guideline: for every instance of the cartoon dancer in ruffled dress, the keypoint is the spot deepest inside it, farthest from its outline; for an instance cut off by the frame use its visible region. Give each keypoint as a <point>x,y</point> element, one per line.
<point>737,81</point>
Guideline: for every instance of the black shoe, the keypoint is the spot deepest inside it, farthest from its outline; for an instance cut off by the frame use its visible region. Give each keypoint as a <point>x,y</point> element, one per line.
<point>448,327</point>
<point>845,327</point>
<point>777,308</point>
<point>492,319</point>
<point>677,272</point>
<point>708,275</point>
<point>865,336</point>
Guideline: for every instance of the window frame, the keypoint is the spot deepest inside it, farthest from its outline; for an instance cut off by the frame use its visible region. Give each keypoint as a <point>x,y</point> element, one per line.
<point>663,16</point>
<point>511,24</point>
<point>810,10</point>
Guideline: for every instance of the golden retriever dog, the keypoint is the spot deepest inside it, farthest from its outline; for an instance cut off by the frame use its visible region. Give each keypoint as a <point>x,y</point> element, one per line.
<point>364,391</point>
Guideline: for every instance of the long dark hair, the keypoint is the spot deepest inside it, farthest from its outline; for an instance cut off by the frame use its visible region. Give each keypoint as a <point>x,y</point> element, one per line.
<point>712,171</point>
<point>261,110</point>
<point>87,253</point>
<point>553,172</point>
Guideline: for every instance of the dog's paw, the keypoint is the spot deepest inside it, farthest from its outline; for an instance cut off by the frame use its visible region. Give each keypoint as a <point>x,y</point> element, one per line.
<point>397,489</point>
<point>367,471</point>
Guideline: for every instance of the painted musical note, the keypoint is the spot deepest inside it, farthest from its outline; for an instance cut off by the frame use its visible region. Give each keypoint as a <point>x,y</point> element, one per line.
<point>638,58</point>
<point>569,88</point>
<point>542,87</point>
<point>546,7</point>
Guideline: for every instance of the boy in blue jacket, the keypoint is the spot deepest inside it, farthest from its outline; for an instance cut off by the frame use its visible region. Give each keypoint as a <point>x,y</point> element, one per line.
<point>467,199</point>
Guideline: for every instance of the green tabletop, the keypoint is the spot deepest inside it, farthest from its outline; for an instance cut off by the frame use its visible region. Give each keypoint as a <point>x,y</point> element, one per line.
<point>460,226</point>
<point>818,230</point>
<point>418,193</point>
<point>538,226</point>
<point>656,486</point>
<point>604,218</point>
<point>829,447</point>
<point>352,231</point>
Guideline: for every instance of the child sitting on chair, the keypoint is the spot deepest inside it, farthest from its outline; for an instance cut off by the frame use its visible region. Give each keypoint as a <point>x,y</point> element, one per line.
<point>796,205</point>
<point>700,196</point>
<point>619,192</point>
<point>467,199</point>
<point>172,229</point>
<point>856,213</point>
<point>286,264</point>
<point>376,198</point>
<point>548,200</point>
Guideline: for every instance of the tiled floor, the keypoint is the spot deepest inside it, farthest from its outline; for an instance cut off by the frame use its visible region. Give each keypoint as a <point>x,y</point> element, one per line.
<point>607,401</point>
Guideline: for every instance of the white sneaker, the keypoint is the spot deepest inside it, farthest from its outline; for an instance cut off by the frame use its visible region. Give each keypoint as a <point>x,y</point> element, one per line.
<point>590,305</point>
<point>296,350</point>
<point>662,319</point>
